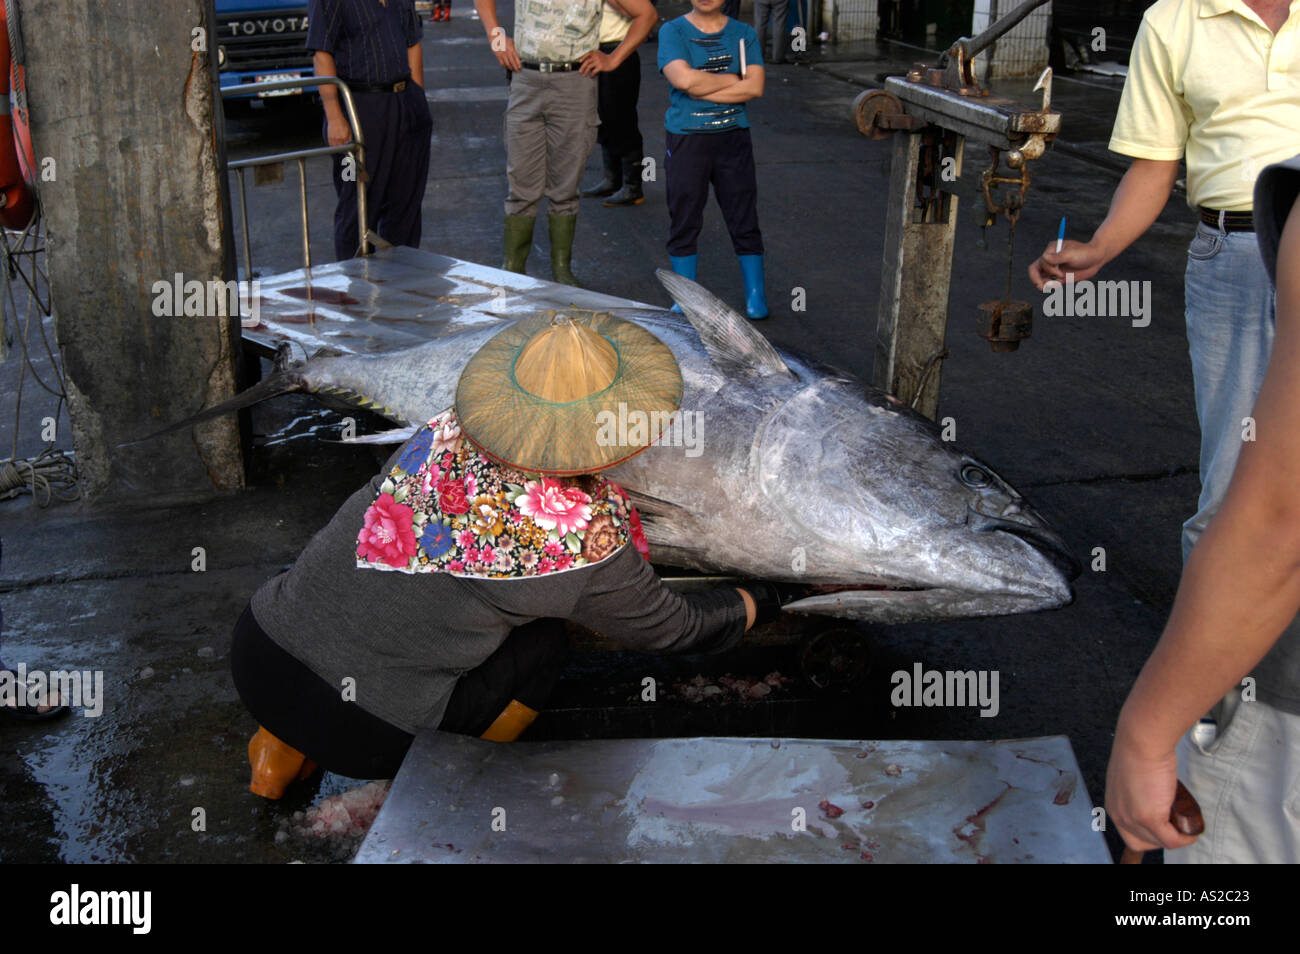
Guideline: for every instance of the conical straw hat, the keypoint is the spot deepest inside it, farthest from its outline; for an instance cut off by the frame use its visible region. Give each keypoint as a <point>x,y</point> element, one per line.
<point>545,395</point>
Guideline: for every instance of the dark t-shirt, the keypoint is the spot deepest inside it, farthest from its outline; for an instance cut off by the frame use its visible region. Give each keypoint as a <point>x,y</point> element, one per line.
<point>367,39</point>
<point>1277,677</point>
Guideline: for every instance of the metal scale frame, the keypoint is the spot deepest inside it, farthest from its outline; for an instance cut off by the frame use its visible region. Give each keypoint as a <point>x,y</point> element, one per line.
<point>931,113</point>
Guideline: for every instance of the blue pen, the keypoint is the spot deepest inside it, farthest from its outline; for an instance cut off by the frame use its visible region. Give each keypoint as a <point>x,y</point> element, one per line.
<point>1060,238</point>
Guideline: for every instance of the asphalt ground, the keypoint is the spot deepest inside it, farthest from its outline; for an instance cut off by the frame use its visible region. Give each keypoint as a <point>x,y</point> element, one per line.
<point>1092,419</point>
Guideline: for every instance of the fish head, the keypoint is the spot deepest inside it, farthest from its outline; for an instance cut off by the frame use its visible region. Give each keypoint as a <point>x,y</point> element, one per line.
<point>896,523</point>
<point>843,488</point>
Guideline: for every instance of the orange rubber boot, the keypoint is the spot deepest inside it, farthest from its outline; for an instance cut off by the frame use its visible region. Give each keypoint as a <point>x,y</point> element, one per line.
<point>510,724</point>
<point>275,765</point>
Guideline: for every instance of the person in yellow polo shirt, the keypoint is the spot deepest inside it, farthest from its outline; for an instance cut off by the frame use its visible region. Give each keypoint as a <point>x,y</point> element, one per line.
<point>1215,82</point>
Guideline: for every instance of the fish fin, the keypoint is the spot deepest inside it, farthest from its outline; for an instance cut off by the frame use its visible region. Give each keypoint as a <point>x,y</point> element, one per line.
<point>730,339</point>
<point>652,507</point>
<point>341,398</point>
<point>280,382</point>
<point>396,435</point>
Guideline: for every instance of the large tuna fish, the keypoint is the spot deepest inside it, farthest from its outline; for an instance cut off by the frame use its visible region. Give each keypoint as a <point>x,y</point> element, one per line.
<point>786,470</point>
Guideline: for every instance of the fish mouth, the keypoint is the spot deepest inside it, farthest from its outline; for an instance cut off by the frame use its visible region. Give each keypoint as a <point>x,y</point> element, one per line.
<point>899,602</point>
<point>910,604</point>
<point>1047,543</point>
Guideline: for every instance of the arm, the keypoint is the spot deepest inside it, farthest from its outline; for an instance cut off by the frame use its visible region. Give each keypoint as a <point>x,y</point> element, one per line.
<point>697,83</point>
<point>751,87</point>
<point>1152,126</point>
<point>415,59</point>
<point>644,21</point>
<point>626,602</point>
<point>503,47</point>
<point>1137,203</point>
<point>414,54</point>
<point>1239,590</point>
<point>337,130</point>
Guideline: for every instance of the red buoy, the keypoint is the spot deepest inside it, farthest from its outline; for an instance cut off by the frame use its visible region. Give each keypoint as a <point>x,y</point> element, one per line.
<point>17,203</point>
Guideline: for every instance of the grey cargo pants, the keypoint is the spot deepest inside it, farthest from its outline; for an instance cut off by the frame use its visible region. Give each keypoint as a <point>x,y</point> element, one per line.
<point>551,125</point>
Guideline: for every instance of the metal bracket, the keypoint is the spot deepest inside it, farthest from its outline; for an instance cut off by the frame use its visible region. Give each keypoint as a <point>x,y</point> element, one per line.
<point>990,180</point>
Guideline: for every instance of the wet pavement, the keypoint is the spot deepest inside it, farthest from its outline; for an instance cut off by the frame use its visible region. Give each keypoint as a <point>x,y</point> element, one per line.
<point>1092,419</point>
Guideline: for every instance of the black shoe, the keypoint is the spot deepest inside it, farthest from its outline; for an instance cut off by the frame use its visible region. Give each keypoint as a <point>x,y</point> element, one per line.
<point>613,178</point>
<point>631,193</point>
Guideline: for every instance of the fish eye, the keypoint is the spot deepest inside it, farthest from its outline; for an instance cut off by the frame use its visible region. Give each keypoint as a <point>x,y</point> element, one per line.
<point>973,476</point>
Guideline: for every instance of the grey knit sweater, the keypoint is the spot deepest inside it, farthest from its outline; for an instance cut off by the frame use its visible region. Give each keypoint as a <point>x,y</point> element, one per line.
<point>406,638</point>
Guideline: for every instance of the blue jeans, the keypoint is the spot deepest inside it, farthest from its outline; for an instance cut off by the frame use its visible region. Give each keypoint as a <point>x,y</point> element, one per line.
<point>1230,312</point>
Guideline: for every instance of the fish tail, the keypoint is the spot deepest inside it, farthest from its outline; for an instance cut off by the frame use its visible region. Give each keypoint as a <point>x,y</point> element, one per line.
<point>280,382</point>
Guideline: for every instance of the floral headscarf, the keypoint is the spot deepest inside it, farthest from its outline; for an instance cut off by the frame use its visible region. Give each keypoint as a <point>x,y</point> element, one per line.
<point>448,508</point>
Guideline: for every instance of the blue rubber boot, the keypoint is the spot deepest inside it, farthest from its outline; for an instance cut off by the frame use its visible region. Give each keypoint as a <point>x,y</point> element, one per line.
<point>751,267</point>
<point>686,266</point>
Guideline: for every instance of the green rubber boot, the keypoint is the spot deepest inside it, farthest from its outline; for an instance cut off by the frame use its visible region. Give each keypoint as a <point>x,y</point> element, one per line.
<point>562,228</point>
<point>519,241</point>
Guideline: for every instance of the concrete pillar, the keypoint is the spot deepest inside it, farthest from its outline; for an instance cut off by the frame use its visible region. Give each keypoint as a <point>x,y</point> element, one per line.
<point>122,101</point>
<point>1021,54</point>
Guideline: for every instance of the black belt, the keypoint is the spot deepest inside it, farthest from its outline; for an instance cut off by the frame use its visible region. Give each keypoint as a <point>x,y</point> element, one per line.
<point>1228,221</point>
<point>380,88</point>
<point>552,67</point>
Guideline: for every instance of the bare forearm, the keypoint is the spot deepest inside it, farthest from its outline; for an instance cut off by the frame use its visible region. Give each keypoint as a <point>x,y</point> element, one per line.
<point>1241,586</point>
<point>1137,203</point>
<point>323,65</point>
<point>1236,596</point>
<point>415,60</point>
<point>487,13</point>
<point>701,84</point>
<point>644,22</point>
<point>502,46</point>
<point>741,92</point>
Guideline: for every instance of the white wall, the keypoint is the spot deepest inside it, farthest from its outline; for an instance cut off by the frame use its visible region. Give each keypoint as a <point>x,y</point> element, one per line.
<point>848,20</point>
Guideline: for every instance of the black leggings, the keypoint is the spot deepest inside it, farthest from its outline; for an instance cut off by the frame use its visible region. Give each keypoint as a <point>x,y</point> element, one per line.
<point>725,160</point>
<point>304,711</point>
<point>617,92</point>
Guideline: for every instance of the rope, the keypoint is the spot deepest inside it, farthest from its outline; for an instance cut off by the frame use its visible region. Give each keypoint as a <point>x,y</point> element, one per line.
<point>49,476</point>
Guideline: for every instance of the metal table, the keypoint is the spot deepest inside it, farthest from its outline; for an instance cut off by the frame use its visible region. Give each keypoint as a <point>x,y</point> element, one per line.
<point>460,800</point>
<point>397,298</point>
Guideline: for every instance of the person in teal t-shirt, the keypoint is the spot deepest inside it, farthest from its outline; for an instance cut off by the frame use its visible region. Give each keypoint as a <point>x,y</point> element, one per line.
<point>708,141</point>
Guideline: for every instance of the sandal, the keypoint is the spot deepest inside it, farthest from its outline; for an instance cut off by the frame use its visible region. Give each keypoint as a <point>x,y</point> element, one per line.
<point>30,712</point>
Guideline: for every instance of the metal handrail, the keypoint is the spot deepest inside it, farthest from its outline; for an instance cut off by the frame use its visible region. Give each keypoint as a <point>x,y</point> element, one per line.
<point>355,146</point>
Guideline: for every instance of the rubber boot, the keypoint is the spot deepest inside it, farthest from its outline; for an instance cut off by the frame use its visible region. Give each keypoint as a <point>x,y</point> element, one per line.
<point>275,765</point>
<point>751,267</point>
<point>519,241</point>
<point>510,724</point>
<point>613,177</point>
<point>631,193</point>
<point>562,228</point>
<point>684,265</point>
